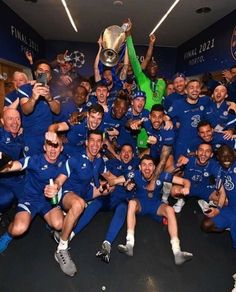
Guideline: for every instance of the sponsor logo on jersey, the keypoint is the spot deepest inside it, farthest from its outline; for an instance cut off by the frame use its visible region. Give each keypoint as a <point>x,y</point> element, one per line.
<point>44,167</point>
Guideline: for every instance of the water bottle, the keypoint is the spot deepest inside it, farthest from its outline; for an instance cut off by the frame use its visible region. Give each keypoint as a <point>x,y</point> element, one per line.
<point>54,200</point>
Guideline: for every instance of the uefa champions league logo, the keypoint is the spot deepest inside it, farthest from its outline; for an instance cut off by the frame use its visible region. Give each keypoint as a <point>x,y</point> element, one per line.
<point>233,44</point>
<point>77,57</point>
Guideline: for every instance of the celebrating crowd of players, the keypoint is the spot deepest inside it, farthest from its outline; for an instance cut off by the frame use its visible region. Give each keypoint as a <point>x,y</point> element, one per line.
<point>124,143</point>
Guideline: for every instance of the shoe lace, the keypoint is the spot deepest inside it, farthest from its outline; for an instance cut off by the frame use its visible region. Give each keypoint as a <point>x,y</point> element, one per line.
<point>65,255</point>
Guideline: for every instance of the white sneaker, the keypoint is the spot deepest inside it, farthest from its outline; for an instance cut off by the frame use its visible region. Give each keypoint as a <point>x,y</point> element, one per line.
<point>212,204</point>
<point>179,205</point>
<point>203,205</point>
<point>234,277</point>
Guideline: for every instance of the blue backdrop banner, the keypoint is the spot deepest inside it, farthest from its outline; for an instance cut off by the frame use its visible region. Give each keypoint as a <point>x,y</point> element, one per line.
<point>212,50</point>
<point>86,53</point>
<point>17,37</point>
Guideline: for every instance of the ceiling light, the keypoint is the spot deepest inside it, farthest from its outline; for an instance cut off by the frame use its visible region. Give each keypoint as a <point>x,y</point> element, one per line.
<point>203,10</point>
<point>69,15</point>
<point>164,17</point>
<point>118,3</point>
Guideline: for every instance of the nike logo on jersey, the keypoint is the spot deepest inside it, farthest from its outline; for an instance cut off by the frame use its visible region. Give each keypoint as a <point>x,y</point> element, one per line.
<point>44,167</point>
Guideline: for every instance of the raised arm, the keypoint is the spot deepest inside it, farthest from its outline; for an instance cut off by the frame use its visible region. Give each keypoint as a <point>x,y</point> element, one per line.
<point>97,75</point>
<point>123,73</point>
<point>59,127</point>
<point>148,56</point>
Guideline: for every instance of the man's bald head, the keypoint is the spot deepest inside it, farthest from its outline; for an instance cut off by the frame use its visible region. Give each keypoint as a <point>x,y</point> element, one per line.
<point>11,121</point>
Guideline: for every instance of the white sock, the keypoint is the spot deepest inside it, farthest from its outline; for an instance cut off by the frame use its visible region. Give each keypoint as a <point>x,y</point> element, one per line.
<point>166,191</point>
<point>130,237</point>
<point>175,244</point>
<point>63,244</point>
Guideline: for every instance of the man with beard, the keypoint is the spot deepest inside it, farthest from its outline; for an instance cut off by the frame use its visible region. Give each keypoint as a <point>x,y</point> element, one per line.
<point>38,107</point>
<point>153,86</point>
<point>179,83</point>
<point>144,204</point>
<point>160,140</point>
<point>75,105</point>
<point>223,217</point>
<point>115,120</point>
<point>186,113</point>
<point>230,77</point>
<point>204,174</point>
<point>207,134</point>
<point>136,114</point>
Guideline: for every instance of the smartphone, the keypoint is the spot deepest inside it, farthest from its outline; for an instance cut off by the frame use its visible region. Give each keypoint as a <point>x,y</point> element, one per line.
<point>42,78</point>
<point>4,159</point>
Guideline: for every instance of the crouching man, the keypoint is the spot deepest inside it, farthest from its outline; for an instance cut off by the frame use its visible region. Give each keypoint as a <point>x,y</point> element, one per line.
<point>146,203</point>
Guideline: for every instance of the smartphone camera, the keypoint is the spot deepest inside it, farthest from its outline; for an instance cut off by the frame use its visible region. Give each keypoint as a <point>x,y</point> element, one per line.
<point>42,78</point>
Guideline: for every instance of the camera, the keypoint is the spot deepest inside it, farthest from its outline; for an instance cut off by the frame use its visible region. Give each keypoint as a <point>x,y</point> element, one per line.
<point>42,78</point>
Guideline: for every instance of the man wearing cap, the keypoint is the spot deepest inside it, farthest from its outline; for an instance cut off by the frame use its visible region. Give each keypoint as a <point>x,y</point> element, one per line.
<point>179,82</point>
<point>135,113</point>
<point>153,86</point>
